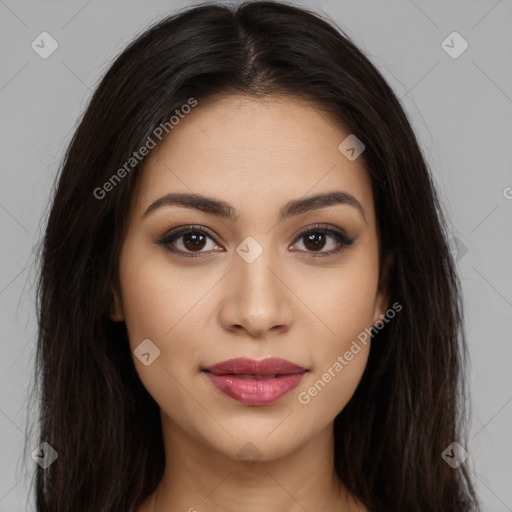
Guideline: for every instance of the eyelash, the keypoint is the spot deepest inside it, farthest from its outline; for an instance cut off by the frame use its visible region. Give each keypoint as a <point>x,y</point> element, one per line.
<point>342,239</point>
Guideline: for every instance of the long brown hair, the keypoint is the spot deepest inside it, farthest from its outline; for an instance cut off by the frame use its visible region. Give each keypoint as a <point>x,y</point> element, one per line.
<point>95,412</point>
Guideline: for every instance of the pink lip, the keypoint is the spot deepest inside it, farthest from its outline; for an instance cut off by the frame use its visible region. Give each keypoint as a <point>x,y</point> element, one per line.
<point>247,381</point>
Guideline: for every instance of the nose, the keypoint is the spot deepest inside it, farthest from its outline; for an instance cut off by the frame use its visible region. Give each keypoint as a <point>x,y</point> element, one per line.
<point>257,299</point>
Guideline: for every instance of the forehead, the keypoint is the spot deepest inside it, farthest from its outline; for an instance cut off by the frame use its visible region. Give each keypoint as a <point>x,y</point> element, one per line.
<point>254,152</point>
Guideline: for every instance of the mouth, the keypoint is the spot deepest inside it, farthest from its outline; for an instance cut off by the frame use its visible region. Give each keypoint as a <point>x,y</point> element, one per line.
<point>253,382</point>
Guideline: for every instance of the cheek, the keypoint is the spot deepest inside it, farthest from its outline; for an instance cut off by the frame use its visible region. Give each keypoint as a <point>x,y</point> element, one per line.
<point>345,306</point>
<point>167,310</point>
<point>341,356</point>
<point>343,300</point>
<point>156,299</point>
<point>160,308</point>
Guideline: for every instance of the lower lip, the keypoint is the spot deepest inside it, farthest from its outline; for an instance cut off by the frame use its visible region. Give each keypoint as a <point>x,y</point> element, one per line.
<point>255,391</point>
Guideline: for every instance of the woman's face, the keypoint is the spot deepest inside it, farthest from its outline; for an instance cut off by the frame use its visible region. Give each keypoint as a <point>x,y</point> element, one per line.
<point>252,286</point>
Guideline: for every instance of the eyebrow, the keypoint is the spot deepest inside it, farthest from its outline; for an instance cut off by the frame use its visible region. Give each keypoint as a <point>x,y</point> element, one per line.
<point>224,210</point>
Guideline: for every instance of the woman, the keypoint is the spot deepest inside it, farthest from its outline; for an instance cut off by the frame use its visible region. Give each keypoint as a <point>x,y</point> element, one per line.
<point>246,298</point>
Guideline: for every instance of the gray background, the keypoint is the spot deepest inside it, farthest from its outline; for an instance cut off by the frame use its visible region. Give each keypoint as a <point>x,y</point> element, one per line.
<point>461,109</point>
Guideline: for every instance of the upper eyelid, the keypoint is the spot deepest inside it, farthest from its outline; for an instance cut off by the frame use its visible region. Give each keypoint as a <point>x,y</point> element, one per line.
<point>181,230</point>
<point>192,227</point>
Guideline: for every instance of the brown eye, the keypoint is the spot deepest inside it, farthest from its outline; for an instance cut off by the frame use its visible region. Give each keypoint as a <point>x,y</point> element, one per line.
<point>194,241</point>
<point>315,239</point>
<point>188,241</point>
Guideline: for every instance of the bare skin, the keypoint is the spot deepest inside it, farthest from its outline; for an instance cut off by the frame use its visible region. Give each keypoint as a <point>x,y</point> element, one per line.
<point>255,155</point>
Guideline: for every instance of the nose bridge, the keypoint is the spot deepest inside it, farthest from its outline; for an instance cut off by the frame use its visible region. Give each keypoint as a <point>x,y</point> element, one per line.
<point>253,266</point>
<point>258,294</point>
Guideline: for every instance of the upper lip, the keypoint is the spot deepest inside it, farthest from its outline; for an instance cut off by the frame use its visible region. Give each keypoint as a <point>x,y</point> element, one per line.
<point>246,366</point>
